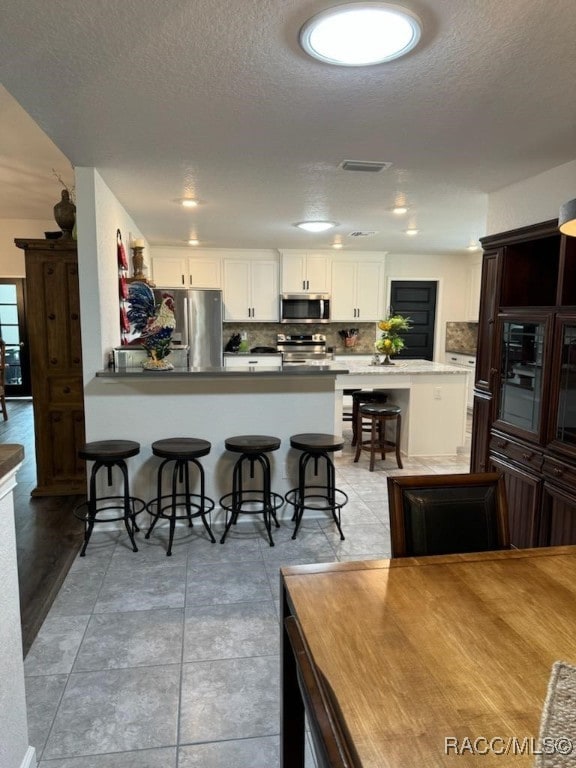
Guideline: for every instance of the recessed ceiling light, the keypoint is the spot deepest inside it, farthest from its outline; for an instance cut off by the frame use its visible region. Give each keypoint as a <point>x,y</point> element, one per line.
<point>193,242</point>
<point>360,34</point>
<point>315,226</point>
<point>473,247</point>
<point>337,245</point>
<point>188,202</point>
<point>399,210</point>
<point>412,231</point>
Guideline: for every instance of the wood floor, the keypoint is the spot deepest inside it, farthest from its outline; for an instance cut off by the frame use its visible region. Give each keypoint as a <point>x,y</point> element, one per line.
<point>48,536</point>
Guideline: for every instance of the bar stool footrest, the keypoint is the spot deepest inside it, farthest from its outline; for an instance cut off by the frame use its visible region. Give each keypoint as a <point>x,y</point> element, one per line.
<point>276,502</point>
<point>81,511</point>
<point>198,510</point>
<point>293,498</point>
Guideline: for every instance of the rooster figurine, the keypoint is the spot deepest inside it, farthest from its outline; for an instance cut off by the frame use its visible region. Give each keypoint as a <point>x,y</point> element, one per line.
<point>154,322</point>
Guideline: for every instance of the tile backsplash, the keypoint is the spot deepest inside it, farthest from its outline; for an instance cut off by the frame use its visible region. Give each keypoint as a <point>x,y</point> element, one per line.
<point>264,334</point>
<point>462,338</point>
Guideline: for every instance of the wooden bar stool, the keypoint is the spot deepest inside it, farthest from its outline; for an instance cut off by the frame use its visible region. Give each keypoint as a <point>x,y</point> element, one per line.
<point>107,454</point>
<point>254,501</point>
<point>317,448</point>
<point>379,416</point>
<point>361,397</point>
<point>183,451</point>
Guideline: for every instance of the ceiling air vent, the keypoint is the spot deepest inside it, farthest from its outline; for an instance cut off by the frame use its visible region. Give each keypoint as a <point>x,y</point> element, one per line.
<point>364,165</point>
<point>362,233</point>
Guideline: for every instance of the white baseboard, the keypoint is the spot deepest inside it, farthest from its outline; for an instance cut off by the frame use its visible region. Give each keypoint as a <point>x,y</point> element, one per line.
<point>29,760</point>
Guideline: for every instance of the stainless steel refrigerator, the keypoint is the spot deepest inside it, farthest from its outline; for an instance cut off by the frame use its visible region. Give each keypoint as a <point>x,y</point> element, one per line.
<point>199,315</point>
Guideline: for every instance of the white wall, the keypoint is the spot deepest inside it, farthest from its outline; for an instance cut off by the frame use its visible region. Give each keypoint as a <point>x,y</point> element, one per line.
<point>452,274</point>
<point>99,215</point>
<point>12,258</point>
<point>531,201</point>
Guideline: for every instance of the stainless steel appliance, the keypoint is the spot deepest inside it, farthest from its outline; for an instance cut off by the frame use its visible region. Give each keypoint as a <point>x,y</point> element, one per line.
<point>304,308</point>
<point>198,313</point>
<point>302,349</point>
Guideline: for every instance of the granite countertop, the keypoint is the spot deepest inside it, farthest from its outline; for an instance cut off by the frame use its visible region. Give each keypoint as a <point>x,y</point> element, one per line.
<point>401,368</point>
<point>11,454</point>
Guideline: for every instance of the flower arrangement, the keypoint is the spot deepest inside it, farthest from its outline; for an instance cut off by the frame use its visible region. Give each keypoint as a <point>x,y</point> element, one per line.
<point>390,342</point>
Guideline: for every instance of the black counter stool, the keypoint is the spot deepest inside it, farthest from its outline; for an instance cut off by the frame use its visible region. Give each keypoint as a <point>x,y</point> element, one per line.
<point>242,500</point>
<point>183,451</point>
<point>316,447</point>
<point>361,397</point>
<point>349,415</point>
<point>109,454</point>
<point>379,416</point>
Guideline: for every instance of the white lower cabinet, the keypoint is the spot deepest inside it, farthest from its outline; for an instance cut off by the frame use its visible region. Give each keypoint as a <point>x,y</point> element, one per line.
<point>468,362</point>
<point>253,361</point>
<point>251,290</point>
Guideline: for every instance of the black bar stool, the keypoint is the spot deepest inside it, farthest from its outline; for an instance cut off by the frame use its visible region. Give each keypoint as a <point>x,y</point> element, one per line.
<point>263,501</point>
<point>316,447</point>
<point>109,454</point>
<point>183,451</point>
<point>361,397</point>
<point>379,416</point>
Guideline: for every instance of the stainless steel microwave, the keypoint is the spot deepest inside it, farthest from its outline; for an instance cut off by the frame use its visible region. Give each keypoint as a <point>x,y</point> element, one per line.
<point>305,308</point>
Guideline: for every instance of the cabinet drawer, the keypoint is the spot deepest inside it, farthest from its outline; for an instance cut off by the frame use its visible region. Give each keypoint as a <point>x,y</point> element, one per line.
<point>523,454</point>
<point>65,389</point>
<point>557,470</point>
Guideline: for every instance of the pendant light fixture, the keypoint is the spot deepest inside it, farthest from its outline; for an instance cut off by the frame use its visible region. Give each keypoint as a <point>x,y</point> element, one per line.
<point>567,218</point>
<point>360,34</point>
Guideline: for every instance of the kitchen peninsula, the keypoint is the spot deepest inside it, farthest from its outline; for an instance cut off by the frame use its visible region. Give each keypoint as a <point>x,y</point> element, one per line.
<point>217,403</point>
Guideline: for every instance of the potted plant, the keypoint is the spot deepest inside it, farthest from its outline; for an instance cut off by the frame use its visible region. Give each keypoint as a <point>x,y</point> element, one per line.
<point>390,341</point>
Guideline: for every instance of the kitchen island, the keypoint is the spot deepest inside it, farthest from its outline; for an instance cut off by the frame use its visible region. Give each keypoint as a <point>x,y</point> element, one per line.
<point>217,403</point>
<point>432,397</point>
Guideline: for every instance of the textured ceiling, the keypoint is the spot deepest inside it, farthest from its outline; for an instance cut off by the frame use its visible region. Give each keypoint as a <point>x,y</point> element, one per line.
<point>215,99</point>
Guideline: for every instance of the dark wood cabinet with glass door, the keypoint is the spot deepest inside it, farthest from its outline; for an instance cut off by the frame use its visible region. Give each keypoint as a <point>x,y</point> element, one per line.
<point>528,342</point>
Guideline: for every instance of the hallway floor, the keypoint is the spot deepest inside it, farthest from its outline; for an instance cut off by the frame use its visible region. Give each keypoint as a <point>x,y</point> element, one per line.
<point>145,661</point>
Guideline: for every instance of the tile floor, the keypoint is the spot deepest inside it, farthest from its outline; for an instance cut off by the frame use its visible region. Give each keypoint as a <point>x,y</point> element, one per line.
<point>146,661</point>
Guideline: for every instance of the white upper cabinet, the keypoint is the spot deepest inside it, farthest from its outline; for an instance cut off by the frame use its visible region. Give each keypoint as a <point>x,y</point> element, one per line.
<point>357,290</point>
<point>175,267</point>
<point>251,291</point>
<point>305,272</point>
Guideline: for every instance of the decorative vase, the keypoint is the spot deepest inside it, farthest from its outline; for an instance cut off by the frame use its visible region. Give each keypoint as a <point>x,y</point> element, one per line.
<point>387,361</point>
<point>65,214</point>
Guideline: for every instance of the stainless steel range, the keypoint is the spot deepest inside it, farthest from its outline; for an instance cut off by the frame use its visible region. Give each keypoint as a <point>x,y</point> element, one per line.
<point>302,349</point>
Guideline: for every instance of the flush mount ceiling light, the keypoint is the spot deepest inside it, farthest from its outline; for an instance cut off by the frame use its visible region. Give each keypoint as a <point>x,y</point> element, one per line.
<point>360,34</point>
<point>399,210</point>
<point>412,231</point>
<point>567,218</point>
<point>188,202</point>
<point>193,241</point>
<point>315,226</point>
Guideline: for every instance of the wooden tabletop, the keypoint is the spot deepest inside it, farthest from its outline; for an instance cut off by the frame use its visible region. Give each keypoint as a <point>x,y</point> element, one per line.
<point>420,650</point>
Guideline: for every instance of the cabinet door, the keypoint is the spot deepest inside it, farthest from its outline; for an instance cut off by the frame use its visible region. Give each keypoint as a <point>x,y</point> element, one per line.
<point>169,272</point>
<point>204,273</point>
<point>481,422</point>
<point>369,283</point>
<point>265,297</point>
<point>237,290</point>
<point>523,491</point>
<point>317,275</point>
<point>485,368</point>
<point>343,291</point>
<point>558,515</point>
<point>294,273</point>
<point>562,430</point>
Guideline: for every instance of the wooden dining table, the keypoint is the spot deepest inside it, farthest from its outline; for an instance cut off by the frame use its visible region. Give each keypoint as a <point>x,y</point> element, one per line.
<point>428,661</point>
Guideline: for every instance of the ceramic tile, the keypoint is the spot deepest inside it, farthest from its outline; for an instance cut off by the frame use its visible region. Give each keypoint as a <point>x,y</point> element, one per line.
<point>43,695</point>
<point>308,544</point>
<point>230,631</point>
<point>142,590</point>
<point>78,593</point>
<point>238,753</point>
<point>116,710</point>
<point>365,539</point>
<point>132,639</point>
<point>145,758</point>
<point>230,699</point>
<point>235,582</point>
<point>56,645</point>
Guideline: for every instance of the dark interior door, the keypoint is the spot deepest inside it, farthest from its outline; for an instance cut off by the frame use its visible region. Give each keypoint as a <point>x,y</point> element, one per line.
<point>416,299</point>
<point>13,331</point>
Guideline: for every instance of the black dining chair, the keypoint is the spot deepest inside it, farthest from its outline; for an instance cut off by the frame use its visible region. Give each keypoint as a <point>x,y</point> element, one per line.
<point>447,514</point>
